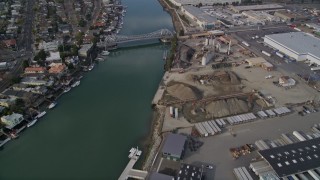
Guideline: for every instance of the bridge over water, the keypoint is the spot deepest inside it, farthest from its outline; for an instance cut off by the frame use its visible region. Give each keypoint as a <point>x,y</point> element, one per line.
<point>112,40</point>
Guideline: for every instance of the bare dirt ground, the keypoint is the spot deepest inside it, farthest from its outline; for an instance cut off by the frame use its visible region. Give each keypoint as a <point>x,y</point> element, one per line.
<point>254,78</point>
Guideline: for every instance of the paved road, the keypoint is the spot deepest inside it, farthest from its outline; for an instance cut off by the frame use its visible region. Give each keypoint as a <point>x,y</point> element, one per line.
<point>216,148</point>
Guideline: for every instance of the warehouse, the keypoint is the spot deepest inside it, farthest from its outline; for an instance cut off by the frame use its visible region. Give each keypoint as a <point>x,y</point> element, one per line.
<point>297,45</point>
<point>203,2</point>
<point>264,7</point>
<point>174,147</point>
<point>294,158</point>
<point>204,20</point>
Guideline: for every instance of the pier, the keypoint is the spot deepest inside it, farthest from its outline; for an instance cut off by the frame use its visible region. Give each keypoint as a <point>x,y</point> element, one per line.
<point>129,171</point>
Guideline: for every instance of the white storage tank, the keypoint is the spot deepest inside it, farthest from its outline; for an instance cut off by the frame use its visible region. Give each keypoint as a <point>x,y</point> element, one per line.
<point>171,111</point>
<point>176,113</point>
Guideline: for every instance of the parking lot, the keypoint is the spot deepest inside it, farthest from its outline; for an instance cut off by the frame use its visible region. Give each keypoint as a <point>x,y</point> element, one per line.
<point>215,150</point>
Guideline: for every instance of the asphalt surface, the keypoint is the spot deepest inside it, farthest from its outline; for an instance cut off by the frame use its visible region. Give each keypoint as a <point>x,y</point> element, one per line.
<point>215,150</point>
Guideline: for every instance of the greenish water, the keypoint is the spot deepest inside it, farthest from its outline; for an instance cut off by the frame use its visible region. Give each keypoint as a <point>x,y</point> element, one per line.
<point>88,135</point>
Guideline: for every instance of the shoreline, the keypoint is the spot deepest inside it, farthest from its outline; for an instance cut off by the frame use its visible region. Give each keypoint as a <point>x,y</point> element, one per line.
<point>154,138</point>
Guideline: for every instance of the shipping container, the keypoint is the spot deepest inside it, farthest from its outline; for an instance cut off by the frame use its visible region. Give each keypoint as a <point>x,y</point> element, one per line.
<point>299,136</point>
<point>245,43</point>
<point>279,54</point>
<point>171,111</point>
<point>266,53</point>
<point>314,174</point>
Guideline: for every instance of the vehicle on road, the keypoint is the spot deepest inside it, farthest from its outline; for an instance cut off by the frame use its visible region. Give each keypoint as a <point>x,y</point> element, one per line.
<point>209,167</point>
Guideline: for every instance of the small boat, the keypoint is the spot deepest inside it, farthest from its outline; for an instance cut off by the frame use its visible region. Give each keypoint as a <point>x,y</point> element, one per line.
<point>41,114</point>
<point>14,135</point>
<point>99,59</point>
<point>105,53</point>
<point>52,105</point>
<point>67,89</point>
<point>77,83</point>
<point>31,123</point>
<point>91,67</point>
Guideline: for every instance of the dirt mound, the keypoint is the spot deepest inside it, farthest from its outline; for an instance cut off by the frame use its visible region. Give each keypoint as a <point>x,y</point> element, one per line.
<point>227,77</point>
<point>227,107</point>
<point>181,92</point>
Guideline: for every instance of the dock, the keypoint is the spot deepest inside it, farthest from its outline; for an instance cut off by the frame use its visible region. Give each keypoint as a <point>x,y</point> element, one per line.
<point>129,171</point>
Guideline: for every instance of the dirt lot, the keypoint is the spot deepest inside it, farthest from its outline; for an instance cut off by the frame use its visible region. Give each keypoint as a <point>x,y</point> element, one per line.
<point>254,78</point>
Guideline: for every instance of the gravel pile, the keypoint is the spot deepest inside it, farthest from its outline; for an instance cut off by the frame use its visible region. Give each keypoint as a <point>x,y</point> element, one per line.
<point>227,107</point>
<point>181,92</point>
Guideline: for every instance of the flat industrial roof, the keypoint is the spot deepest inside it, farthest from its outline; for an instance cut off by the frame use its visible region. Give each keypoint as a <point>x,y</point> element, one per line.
<point>159,176</point>
<point>294,158</point>
<point>200,14</point>
<point>299,42</point>
<point>258,7</point>
<point>174,144</point>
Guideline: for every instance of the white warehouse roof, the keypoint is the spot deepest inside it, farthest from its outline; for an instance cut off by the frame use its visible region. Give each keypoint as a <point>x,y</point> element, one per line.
<point>199,14</point>
<point>204,2</point>
<point>298,42</point>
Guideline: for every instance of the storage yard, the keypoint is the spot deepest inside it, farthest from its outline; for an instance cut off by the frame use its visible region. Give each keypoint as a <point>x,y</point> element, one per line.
<point>239,93</point>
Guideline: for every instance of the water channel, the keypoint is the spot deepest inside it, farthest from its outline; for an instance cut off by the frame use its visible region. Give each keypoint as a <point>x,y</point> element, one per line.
<point>89,133</point>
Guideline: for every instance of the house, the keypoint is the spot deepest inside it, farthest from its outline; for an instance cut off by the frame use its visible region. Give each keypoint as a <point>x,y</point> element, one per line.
<point>87,39</point>
<point>64,28</point>
<point>11,43</point>
<point>85,50</point>
<point>19,87</point>
<point>33,81</point>
<point>174,147</point>
<point>100,24</point>
<point>49,46</point>
<point>7,102</point>
<point>57,68</point>
<point>12,120</point>
<point>34,70</point>
<point>39,90</point>
<point>54,56</point>
<point>286,81</point>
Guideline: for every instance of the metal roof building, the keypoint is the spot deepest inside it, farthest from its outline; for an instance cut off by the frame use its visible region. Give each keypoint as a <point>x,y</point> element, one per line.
<point>174,146</point>
<point>203,2</point>
<point>159,176</point>
<point>294,158</point>
<point>188,171</point>
<point>266,7</point>
<point>203,19</point>
<point>298,45</point>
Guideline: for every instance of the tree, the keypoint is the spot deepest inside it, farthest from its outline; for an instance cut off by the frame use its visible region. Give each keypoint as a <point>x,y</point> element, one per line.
<point>82,22</point>
<point>25,64</point>
<point>42,54</point>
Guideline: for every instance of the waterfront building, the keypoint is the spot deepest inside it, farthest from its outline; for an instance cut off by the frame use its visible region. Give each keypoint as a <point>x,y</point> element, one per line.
<point>19,87</point>
<point>204,20</point>
<point>263,7</point>
<point>85,50</point>
<point>7,102</point>
<point>12,120</point>
<point>34,70</point>
<point>203,2</point>
<point>33,81</point>
<point>174,147</point>
<point>296,45</point>
<point>57,68</point>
